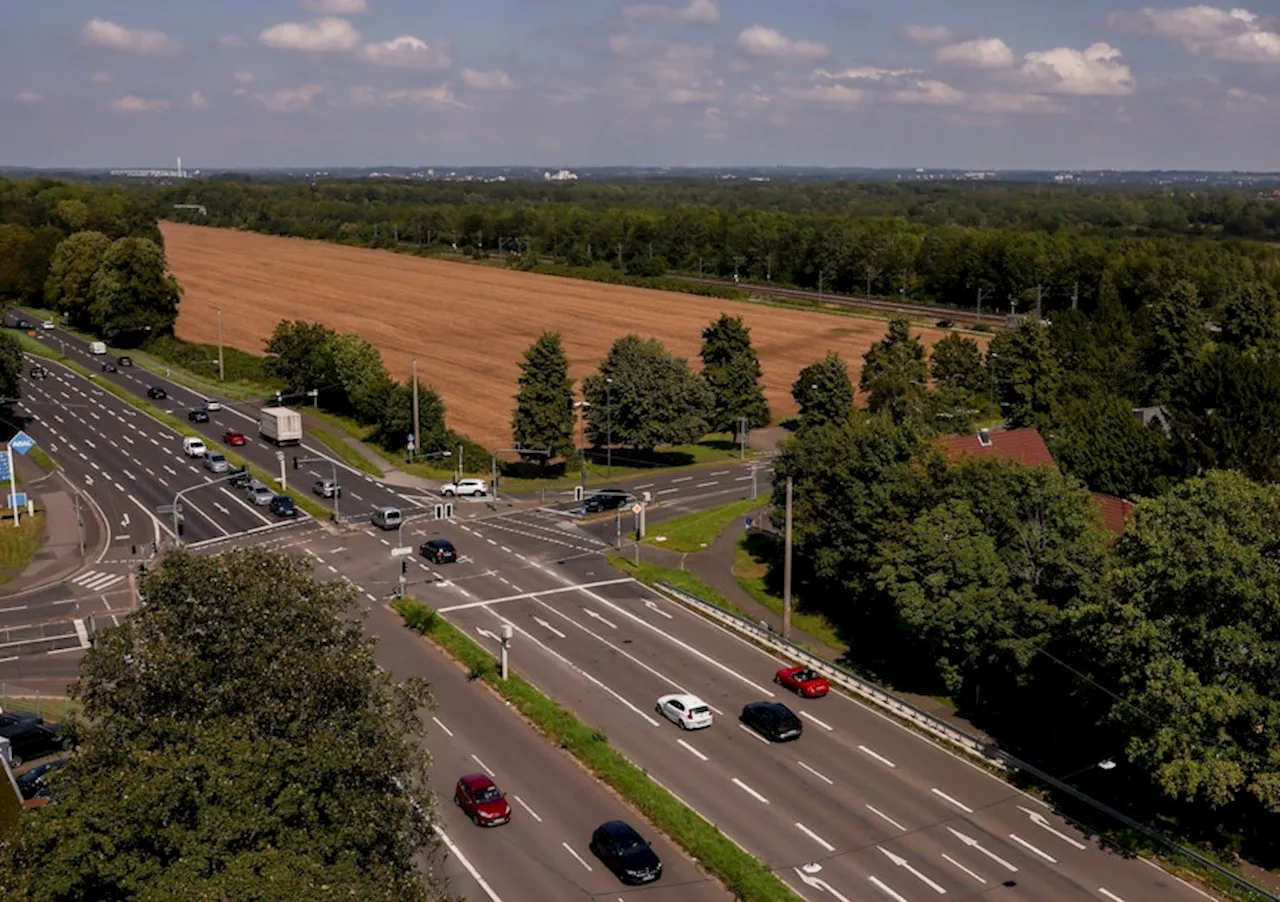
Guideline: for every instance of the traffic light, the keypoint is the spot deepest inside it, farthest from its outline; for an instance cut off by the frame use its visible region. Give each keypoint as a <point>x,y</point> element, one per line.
<point>296,465</point>
<point>404,568</point>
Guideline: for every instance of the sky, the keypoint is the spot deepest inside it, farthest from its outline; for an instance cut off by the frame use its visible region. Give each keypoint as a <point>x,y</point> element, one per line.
<point>970,84</point>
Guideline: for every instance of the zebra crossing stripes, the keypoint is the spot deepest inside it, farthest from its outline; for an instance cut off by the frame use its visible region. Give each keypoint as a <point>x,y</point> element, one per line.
<point>97,581</point>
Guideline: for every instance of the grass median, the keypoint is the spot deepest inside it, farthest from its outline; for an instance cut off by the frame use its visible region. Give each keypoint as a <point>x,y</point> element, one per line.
<point>697,531</point>
<point>746,878</point>
<point>18,543</point>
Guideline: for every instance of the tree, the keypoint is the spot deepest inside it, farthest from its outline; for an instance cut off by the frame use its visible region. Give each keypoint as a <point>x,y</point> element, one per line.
<point>132,295</point>
<point>894,374</point>
<point>11,362</point>
<point>68,289</point>
<point>732,370</point>
<point>395,421</point>
<point>544,416</point>
<point>1226,414</point>
<point>363,376</point>
<point>1176,336</point>
<point>957,361</point>
<point>1251,318</point>
<point>1025,372</point>
<point>1098,439</point>
<point>654,398</point>
<point>824,392</point>
<point>301,355</point>
<point>297,772</point>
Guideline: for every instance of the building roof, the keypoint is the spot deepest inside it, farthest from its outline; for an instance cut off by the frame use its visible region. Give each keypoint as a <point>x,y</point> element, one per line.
<point>1115,512</point>
<point>1024,446</point>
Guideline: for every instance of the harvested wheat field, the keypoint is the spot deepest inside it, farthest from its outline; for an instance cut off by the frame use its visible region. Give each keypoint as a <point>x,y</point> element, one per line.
<point>469,325</point>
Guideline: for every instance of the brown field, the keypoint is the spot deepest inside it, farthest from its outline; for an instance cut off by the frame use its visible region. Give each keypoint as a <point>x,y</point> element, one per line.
<point>469,325</point>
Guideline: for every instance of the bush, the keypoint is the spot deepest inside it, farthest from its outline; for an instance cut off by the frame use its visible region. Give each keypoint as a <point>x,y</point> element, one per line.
<point>202,360</point>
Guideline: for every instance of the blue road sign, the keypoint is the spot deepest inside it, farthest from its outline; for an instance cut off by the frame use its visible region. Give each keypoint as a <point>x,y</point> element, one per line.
<point>749,521</point>
<point>18,500</point>
<point>411,437</point>
<point>22,443</point>
<point>5,459</point>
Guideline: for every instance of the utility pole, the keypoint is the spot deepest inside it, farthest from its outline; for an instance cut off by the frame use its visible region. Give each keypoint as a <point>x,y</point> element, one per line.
<point>742,438</point>
<point>417,434</point>
<point>872,274</point>
<point>619,256</point>
<point>737,261</point>
<point>608,403</point>
<point>1075,296</point>
<point>820,275</point>
<point>1040,293</point>
<point>222,376</point>
<point>786,569</point>
<point>768,268</point>
<point>982,294</point>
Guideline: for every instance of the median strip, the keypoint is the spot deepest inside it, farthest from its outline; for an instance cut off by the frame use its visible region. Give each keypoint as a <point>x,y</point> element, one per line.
<point>742,874</point>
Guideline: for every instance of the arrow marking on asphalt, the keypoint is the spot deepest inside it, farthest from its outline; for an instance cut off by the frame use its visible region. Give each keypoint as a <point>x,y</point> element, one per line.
<point>818,883</point>
<point>884,888</point>
<point>124,520</point>
<point>653,606</point>
<point>484,632</point>
<point>1026,845</point>
<point>591,613</point>
<point>1041,821</point>
<point>973,844</point>
<point>902,863</point>
<point>545,625</point>
<point>88,480</point>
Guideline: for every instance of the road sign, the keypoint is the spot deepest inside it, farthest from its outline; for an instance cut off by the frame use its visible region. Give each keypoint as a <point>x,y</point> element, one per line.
<point>165,509</point>
<point>22,443</point>
<point>402,551</point>
<point>749,522</point>
<point>5,459</point>
<point>411,438</point>
<point>410,444</point>
<point>18,500</point>
<point>636,508</point>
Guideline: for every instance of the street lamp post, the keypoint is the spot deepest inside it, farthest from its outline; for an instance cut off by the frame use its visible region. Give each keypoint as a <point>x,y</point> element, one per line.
<point>608,401</point>
<point>582,438</point>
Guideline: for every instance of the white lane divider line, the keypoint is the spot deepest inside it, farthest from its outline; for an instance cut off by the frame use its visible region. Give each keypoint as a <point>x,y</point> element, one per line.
<point>448,732</point>
<point>876,811</point>
<point>542,623</point>
<point>82,633</point>
<point>692,750</point>
<point>881,758</point>
<point>884,888</point>
<point>525,805</point>
<point>682,479</point>
<point>591,613</point>
<point>947,857</point>
<point>1026,845</point>
<point>751,732</point>
<point>906,866</point>
<point>820,776</point>
<point>1110,895</point>
<point>749,791</point>
<point>484,767</point>
<point>569,849</point>
<point>961,805</point>
<point>370,596</point>
<point>818,722</point>
<point>815,837</point>
<point>462,859</point>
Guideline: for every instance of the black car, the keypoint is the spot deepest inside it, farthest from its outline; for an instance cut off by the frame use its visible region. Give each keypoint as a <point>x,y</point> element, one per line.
<point>772,720</point>
<point>240,478</point>
<point>606,500</point>
<point>38,372</point>
<point>157,393</point>
<point>32,784</point>
<point>625,852</point>
<point>438,551</point>
<point>110,368</point>
<point>124,361</point>
<point>945,324</point>
<point>29,736</point>
<point>283,506</point>
<point>198,416</point>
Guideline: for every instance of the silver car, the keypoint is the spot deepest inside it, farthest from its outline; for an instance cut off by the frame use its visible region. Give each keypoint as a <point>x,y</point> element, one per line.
<point>215,462</point>
<point>261,495</point>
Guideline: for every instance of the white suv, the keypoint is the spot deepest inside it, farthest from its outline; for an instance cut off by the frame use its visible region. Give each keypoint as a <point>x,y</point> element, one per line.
<point>471,487</point>
<point>193,447</point>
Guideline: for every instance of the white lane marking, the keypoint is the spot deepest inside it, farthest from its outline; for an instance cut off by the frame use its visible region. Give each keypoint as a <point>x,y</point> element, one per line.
<point>172,471</point>
<point>749,791</point>
<point>973,844</point>
<point>751,732</point>
<point>370,596</point>
<point>881,758</point>
<point>653,606</point>
<point>484,767</point>
<point>963,868</point>
<point>591,613</point>
<point>475,875</point>
<point>1110,895</point>
<point>82,633</point>
<point>1022,842</point>
<point>703,485</point>
<point>542,623</point>
<point>569,849</point>
<point>877,811</point>
<point>961,805</point>
<point>682,479</point>
<point>647,485</point>
<point>740,478</point>
<point>506,549</point>
<point>128,475</point>
<point>906,866</point>
<point>815,837</point>
<point>818,722</point>
<point>524,595</point>
<point>666,491</point>
<point>884,888</point>
<point>719,473</point>
<point>525,806</point>
<point>447,731</point>
<point>221,508</point>
<point>1041,821</point>
<point>829,781</point>
<point>692,750</point>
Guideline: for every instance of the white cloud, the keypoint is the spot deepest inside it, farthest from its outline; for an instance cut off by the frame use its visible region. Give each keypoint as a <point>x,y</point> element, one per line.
<point>576,94</point>
<point>232,40</point>
<point>1232,35</point>
<point>320,36</point>
<point>929,34</point>
<point>841,95</point>
<point>28,97</point>
<point>100,78</point>
<point>101,33</point>
<point>495,80</point>
<point>933,93</point>
<point>762,41</point>
<point>688,95</point>
<point>864,73</point>
<point>1253,47</point>
<point>704,11</point>
<point>286,100</point>
<point>336,7</point>
<point>197,100</point>
<point>243,78</point>
<point>408,52</point>
<point>1093,72</point>
<point>132,103</point>
<point>433,96</point>
<point>1004,102</point>
<point>1240,95</point>
<point>980,53</point>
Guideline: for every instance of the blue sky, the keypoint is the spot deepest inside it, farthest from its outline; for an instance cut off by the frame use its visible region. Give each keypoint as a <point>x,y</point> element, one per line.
<point>975,84</point>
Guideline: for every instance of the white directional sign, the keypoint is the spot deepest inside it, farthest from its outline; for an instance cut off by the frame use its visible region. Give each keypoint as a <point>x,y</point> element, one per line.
<point>1041,821</point>
<point>819,883</point>
<point>402,551</point>
<point>973,844</point>
<point>902,863</point>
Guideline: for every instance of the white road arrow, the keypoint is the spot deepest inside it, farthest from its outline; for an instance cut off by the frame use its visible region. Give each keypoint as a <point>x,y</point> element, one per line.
<point>591,613</point>
<point>124,520</point>
<point>902,863</point>
<point>653,606</point>
<point>973,844</point>
<point>88,480</point>
<point>819,883</point>
<point>1041,821</point>
<point>486,633</point>
<point>542,623</point>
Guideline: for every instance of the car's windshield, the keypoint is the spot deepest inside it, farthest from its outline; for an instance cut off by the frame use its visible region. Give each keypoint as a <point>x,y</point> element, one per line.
<point>488,794</point>
<point>632,843</point>
<point>806,676</point>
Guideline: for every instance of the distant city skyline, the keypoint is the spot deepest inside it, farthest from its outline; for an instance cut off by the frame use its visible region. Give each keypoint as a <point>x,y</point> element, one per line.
<point>984,85</point>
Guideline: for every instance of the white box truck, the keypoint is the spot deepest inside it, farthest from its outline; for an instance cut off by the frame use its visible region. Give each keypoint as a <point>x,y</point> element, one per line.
<point>280,425</point>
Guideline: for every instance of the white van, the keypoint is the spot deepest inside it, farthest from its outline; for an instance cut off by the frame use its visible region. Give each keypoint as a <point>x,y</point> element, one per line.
<point>97,347</point>
<point>193,447</point>
<point>387,517</point>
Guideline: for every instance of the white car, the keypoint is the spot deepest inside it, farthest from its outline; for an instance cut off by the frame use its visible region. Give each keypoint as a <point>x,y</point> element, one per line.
<point>472,487</point>
<point>211,404</point>
<point>47,325</point>
<point>688,712</point>
<point>193,447</point>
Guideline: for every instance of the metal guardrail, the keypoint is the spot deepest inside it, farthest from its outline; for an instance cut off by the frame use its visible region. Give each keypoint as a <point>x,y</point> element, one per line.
<point>978,748</point>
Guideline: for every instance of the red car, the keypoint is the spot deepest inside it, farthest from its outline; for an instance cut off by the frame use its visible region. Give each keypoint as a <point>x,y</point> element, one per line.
<point>482,801</point>
<point>234,437</point>
<point>802,681</point>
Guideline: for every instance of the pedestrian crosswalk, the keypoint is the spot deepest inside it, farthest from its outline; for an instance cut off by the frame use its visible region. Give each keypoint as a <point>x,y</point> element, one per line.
<point>97,581</point>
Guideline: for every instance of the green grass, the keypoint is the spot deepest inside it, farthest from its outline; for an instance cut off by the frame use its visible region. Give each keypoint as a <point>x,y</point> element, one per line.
<point>344,451</point>
<point>746,877</point>
<point>41,460</point>
<point>18,544</point>
<point>656,574</point>
<point>751,569</point>
<point>50,707</point>
<point>696,531</point>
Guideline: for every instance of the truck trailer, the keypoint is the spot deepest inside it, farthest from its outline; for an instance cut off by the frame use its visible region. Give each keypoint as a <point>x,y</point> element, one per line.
<point>280,425</point>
